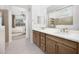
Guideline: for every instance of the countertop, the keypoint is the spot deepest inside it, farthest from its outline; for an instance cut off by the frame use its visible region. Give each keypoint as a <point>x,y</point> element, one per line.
<point>57,33</point>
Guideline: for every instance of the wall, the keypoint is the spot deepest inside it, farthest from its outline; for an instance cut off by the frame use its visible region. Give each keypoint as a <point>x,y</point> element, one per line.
<point>0,20</point>
<point>5,18</point>
<point>75,13</point>
<point>8,28</point>
<point>39,10</point>
<point>35,13</point>
<point>2,35</point>
<point>29,24</point>
<point>10,25</point>
<point>76,17</point>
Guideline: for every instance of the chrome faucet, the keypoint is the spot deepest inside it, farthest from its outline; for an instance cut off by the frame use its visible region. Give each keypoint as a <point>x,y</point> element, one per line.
<point>64,30</point>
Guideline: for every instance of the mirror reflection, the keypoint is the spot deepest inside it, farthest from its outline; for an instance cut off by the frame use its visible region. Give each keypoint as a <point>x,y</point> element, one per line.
<point>61,16</point>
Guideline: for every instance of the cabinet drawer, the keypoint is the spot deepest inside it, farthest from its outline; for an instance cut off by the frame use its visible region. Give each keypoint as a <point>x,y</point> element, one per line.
<point>42,40</point>
<point>43,45</point>
<point>43,48</point>
<point>63,41</point>
<point>50,46</point>
<point>63,49</point>
<point>70,43</point>
<point>51,37</point>
<point>48,40</point>
<point>42,34</point>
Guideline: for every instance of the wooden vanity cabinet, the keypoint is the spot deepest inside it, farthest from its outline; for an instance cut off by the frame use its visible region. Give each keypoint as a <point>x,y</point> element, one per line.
<point>43,42</point>
<point>67,48</point>
<point>78,48</point>
<point>51,44</point>
<point>36,38</point>
<point>51,47</point>
<point>60,45</point>
<point>40,40</point>
<point>64,49</point>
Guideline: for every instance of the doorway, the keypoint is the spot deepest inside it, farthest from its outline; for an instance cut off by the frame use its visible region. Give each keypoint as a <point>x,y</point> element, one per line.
<point>18,26</point>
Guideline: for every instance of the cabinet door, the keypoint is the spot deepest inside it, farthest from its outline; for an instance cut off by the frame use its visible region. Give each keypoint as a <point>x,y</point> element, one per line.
<point>63,49</point>
<point>78,48</point>
<point>38,38</point>
<point>43,47</point>
<point>34,37</point>
<point>43,43</point>
<point>50,46</point>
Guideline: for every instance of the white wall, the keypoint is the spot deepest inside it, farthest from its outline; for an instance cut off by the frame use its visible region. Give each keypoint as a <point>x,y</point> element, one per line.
<point>10,25</point>
<point>35,13</point>
<point>39,10</point>
<point>76,17</point>
<point>0,20</point>
<point>29,24</point>
<point>28,13</point>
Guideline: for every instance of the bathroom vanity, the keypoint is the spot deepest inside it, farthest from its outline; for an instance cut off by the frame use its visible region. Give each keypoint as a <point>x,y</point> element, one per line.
<point>60,41</point>
<point>56,43</point>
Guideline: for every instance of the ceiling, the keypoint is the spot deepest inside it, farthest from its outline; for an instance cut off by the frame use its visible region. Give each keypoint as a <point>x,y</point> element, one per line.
<point>19,9</point>
<point>22,6</point>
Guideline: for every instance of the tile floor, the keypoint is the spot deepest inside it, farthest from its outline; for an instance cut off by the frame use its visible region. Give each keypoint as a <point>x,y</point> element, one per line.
<point>21,45</point>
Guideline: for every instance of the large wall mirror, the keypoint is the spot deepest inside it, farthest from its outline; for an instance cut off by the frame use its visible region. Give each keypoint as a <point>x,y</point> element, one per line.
<point>62,15</point>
